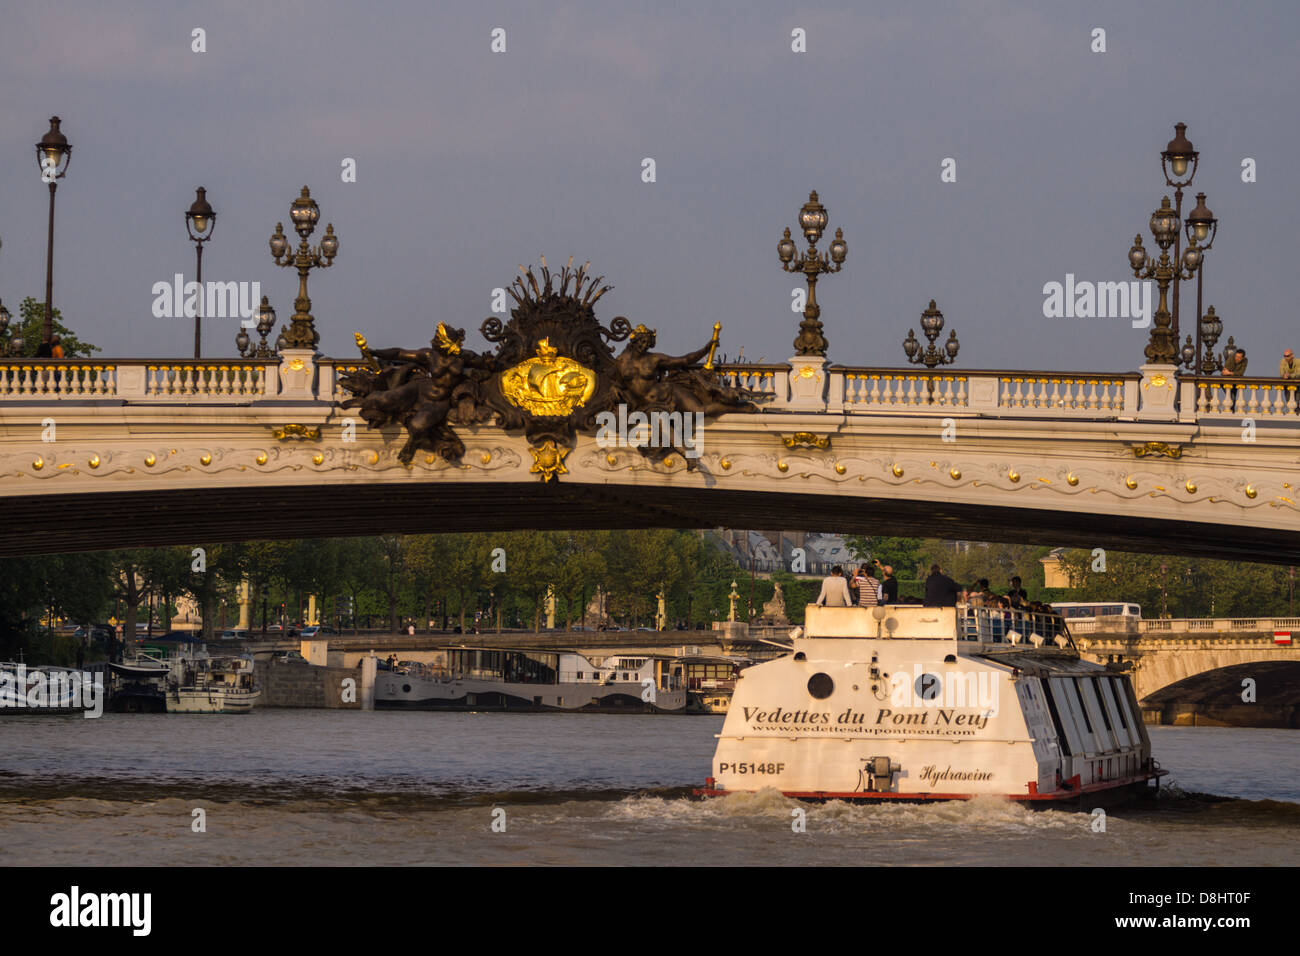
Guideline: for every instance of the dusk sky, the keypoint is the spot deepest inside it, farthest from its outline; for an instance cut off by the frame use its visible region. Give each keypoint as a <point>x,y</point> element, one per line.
<point>471,162</point>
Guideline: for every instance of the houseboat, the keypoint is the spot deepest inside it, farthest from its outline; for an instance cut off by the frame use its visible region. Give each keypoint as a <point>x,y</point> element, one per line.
<point>201,684</point>
<point>138,684</point>
<point>482,678</point>
<point>918,703</point>
<point>709,681</point>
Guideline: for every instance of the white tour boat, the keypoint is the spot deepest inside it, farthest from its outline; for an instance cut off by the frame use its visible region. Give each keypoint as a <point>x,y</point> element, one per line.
<point>200,684</point>
<point>482,678</point>
<point>930,703</point>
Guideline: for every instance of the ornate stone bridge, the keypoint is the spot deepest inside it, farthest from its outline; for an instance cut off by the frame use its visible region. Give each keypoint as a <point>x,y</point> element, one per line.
<point>114,453</point>
<point>1196,677</point>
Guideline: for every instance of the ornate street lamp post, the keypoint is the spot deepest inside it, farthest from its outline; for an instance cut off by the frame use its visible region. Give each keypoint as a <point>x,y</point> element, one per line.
<point>1178,161</point>
<point>53,154</point>
<point>200,223</point>
<point>812,219</point>
<point>265,323</point>
<point>1202,227</point>
<point>1162,349</point>
<point>931,325</point>
<point>304,212</point>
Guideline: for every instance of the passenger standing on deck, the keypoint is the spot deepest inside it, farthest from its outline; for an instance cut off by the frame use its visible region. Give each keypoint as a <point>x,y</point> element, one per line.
<point>869,589</point>
<point>889,583</point>
<point>835,590</point>
<point>940,590</point>
<point>1018,596</point>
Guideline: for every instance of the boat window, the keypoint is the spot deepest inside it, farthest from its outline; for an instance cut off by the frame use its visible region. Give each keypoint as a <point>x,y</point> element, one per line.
<point>1056,719</point>
<point>1119,695</point>
<point>579,675</point>
<point>1105,716</point>
<point>1083,710</point>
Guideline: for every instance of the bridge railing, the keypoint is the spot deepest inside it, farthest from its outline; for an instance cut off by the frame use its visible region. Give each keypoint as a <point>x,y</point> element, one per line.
<point>1251,397</point>
<point>854,389</point>
<point>766,379</point>
<point>152,380</point>
<point>1212,624</point>
<point>1050,394</point>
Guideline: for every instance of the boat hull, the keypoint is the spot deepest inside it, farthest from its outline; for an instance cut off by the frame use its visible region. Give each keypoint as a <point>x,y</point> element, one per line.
<point>1109,794</point>
<point>203,700</point>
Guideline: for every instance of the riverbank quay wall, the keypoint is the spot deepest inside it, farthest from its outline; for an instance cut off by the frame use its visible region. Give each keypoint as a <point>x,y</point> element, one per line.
<point>298,684</point>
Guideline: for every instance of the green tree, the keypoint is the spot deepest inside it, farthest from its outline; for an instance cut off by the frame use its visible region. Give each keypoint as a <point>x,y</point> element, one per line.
<point>904,555</point>
<point>31,322</point>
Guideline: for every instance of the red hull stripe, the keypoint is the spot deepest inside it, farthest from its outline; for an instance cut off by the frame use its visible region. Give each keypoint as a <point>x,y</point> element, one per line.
<point>1054,795</point>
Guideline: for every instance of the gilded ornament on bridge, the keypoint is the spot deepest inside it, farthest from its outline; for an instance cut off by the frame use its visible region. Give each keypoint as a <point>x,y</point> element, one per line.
<point>1251,492</point>
<point>548,460</point>
<point>806,440</point>
<point>553,373</point>
<point>1130,483</point>
<point>1157,448</point>
<point>548,384</point>
<point>897,470</point>
<point>150,460</point>
<point>1013,475</point>
<point>295,431</point>
<point>1072,479</point>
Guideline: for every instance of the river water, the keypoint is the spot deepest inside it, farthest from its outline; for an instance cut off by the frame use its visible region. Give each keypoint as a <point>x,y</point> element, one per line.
<point>304,787</point>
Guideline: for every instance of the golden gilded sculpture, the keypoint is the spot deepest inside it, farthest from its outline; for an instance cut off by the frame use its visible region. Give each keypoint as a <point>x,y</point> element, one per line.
<point>549,384</point>
<point>548,460</point>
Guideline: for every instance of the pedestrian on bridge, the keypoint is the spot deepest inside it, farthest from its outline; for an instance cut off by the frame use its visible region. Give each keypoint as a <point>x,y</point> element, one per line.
<point>1289,367</point>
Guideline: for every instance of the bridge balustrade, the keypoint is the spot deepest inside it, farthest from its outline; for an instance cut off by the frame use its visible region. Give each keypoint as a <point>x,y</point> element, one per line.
<point>756,378</point>
<point>55,379</point>
<point>891,389</point>
<point>1217,624</point>
<point>861,389</point>
<point>1253,397</point>
<point>193,381</point>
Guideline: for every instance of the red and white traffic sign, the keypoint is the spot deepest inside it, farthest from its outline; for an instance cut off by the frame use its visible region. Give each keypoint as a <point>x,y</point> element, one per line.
<point>1281,637</point>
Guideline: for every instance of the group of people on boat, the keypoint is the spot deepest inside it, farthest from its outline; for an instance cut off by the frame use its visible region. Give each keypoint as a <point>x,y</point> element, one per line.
<point>864,589</point>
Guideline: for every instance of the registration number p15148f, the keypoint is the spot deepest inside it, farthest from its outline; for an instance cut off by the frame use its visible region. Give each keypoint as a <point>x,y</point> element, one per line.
<point>772,768</point>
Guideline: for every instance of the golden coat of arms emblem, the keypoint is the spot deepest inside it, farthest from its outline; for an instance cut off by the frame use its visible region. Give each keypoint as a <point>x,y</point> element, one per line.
<point>548,385</point>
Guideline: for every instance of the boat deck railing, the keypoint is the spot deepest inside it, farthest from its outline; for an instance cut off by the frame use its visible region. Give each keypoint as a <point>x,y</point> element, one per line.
<point>991,625</point>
